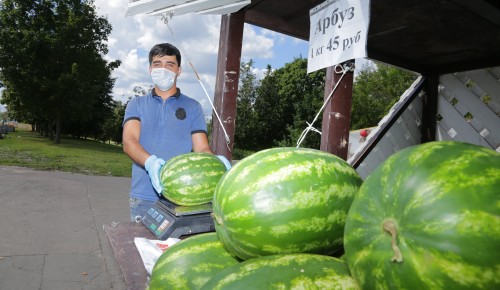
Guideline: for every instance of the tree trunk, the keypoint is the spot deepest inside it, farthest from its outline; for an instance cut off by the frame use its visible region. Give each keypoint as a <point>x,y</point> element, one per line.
<point>58,129</point>
<point>47,130</point>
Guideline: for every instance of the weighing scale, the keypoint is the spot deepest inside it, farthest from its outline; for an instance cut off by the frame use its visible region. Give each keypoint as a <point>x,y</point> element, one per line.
<point>169,220</point>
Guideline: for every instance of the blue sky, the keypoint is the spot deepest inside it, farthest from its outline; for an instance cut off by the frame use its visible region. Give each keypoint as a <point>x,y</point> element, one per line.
<point>285,49</point>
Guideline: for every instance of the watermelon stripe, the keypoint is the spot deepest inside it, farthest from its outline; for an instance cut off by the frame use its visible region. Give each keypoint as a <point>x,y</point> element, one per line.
<point>284,200</point>
<point>190,179</point>
<point>299,200</point>
<point>445,200</point>
<point>190,263</point>
<point>311,224</point>
<point>299,170</point>
<point>289,271</point>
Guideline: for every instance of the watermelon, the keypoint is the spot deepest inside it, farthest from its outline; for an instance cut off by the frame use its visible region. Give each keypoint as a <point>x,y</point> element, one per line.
<point>284,200</point>
<point>428,218</point>
<point>190,263</point>
<point>285,271</point>
<point>190,179</point>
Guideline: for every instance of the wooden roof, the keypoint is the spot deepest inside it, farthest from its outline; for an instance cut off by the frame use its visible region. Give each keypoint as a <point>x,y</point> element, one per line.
<point>426,36</point>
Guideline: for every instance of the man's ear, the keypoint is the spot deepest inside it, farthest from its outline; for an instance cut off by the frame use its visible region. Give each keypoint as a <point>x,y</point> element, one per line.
<point>179,71</point>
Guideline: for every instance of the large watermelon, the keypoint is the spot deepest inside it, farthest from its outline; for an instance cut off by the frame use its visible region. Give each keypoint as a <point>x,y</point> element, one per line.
<point>190,179</point>
<point>285,271</point>
<point>428,218</point>
<point>190,263</point>
<point>284,200</point>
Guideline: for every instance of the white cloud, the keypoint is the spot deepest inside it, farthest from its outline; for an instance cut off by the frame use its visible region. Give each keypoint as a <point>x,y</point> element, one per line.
<point>133,36</point>
<point>255,44</point>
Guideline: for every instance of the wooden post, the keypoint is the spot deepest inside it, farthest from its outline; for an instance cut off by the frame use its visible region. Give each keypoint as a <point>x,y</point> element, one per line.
<point>337,113</point>
<point>226,87</point>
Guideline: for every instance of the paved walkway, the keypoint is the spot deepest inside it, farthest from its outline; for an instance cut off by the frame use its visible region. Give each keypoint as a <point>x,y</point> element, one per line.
<point>51,234</point>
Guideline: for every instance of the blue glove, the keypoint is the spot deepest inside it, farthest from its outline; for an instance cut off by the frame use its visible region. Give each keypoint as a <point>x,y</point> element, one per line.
<point>153,166</point>
<point>225,161</point>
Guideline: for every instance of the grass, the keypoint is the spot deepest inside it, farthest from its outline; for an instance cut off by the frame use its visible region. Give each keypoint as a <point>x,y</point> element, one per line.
<point>29,149</point>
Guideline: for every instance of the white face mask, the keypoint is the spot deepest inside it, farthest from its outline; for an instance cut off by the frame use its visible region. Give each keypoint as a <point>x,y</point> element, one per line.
<point>163,78</point>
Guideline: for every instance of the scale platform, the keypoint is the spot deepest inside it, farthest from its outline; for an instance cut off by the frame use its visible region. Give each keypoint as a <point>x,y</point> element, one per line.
<point>169,220</point>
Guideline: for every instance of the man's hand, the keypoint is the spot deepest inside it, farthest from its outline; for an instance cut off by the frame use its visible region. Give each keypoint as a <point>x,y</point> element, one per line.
<point>153,166</point>
<point>225,161</point>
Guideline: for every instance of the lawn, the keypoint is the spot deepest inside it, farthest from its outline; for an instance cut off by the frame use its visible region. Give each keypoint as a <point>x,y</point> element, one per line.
<point>30,149</point>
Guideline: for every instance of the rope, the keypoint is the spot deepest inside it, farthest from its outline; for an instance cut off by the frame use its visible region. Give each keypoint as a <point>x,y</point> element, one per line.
<point>339,68</point>
<point>165,19</point>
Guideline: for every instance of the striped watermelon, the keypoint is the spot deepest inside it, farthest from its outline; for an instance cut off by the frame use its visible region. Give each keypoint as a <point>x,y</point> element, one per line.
<point>285,271</point>
<point>190,263</point>
<point>284,200</point>
<point>428,218</point>
<point>190,179</point>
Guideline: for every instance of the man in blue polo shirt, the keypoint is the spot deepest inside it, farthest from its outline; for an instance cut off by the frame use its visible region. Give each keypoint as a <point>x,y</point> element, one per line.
<point>160,125</point>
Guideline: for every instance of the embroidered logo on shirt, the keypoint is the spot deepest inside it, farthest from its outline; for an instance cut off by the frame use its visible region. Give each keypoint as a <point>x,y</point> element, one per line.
<point>180,114</point>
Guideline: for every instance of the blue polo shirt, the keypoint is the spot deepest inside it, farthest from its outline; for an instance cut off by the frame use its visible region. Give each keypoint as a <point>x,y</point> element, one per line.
<point>166,129</point>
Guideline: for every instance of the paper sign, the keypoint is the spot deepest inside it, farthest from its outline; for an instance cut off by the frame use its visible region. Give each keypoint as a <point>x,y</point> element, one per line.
<point>339,30</point>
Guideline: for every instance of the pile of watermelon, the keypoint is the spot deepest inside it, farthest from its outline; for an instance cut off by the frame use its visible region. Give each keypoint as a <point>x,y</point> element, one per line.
<point>427,218</point>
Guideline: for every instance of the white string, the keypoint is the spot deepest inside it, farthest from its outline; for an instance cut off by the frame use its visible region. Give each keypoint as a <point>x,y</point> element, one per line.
<point>165,18</point>
<point>338,69</point>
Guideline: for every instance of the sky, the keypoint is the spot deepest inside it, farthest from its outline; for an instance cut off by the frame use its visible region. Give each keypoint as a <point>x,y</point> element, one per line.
<point>197,36</point>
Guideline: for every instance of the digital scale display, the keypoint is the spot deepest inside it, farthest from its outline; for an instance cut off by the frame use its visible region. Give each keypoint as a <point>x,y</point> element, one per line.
<point>168,220</point>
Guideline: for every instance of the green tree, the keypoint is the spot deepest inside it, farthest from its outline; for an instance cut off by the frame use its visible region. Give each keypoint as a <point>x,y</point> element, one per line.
<point>268,112</point>
<point>274,111</point>
<point>245,136</point>
<point>4,116</point>
<point>288,98</point>
<point>112,126</point>
<point>376,89</point>
<point>301,97</point>
<point>52,65</point>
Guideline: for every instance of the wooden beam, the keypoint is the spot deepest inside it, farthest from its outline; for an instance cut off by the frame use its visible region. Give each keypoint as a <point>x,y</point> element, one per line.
<point>482,9</point>
<point>226,87</point>
<point>337,113</point>
<point>275,23</point>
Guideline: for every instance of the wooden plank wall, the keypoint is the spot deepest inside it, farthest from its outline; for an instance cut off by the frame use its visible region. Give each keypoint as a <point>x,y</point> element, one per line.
<point>406,131</point>
<point>468,111</point>
<point>469,108</point>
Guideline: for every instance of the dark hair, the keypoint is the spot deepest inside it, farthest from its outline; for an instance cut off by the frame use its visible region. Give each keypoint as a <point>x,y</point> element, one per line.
<point>163,49</point>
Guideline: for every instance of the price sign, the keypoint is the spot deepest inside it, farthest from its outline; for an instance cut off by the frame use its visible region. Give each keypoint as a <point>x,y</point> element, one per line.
<point>338,32</point>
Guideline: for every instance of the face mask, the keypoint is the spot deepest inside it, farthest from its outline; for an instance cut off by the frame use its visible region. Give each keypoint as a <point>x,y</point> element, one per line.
<point>163,78</point>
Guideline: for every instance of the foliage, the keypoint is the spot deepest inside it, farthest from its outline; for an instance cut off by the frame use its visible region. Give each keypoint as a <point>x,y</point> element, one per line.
<point>376,89</point>
<point>245,136</point>
<point>239,154</point>
<point>52,65</point>
<point>4,116</point>
<point>301,95</point>
<point>268,111</point>
<point>274,111</point>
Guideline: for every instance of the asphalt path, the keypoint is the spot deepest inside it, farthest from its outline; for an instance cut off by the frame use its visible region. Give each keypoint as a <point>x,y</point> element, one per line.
<point>51,229</point>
